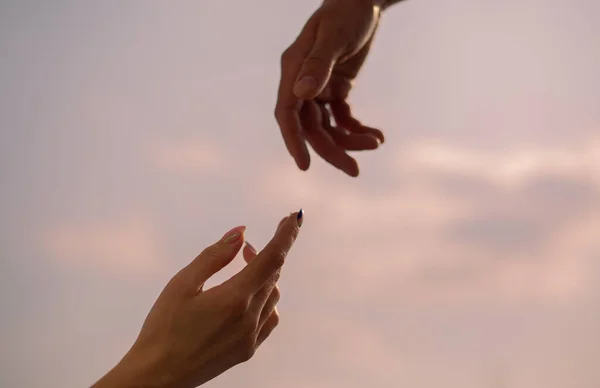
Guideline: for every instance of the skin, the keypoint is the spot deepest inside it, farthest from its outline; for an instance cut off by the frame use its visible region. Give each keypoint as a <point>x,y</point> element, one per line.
<point>317,73</point>
<point>192,335</point>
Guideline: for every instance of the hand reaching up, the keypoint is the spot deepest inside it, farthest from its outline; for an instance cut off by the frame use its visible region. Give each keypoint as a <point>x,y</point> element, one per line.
<point>192,335</point>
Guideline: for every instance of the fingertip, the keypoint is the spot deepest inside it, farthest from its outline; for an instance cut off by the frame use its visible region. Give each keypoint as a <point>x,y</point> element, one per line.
<point>300,218</point>
<point>374,132</point>
<point>352,169</point>
<point>303,161</point>
<point>250,247</point>
<point>379,135</point>
<point>249,252</point>
<point>234,235</point>
<point>372,142</point>
<point>289,224</point>
<point>303,165</point>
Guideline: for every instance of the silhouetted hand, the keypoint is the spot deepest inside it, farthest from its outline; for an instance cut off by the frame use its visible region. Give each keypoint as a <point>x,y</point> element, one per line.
<point>192,335</point>
<point>317,71</point>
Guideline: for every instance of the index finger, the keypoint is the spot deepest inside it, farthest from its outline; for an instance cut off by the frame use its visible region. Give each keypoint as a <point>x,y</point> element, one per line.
<point>271,258</point>
<point>287,109</point>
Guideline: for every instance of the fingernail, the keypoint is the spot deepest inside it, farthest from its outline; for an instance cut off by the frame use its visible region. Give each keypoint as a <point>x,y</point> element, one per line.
<point>233,235</point>
<point>306,86</point>
<point>251,247</point>
<point>300,218</point>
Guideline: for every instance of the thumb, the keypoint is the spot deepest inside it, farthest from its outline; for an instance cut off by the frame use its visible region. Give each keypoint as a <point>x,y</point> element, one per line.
<point>215,257</point>
<point>318,65</point>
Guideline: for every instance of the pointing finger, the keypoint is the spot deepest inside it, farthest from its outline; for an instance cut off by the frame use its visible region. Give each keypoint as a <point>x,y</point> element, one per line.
<point>271,258</point>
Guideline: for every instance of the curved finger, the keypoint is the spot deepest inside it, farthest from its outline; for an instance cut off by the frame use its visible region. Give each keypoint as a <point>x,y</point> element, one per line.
<point>322,142</point>
<point>347,140</point>
<point>287,115</point>
<point>354,141</point>
<point>216,257</point>
<point>267,328</point>
<point>342,114</point>
<point>288,106</point>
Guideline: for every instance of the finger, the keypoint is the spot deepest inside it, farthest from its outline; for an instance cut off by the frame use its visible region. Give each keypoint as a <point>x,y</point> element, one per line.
<point>264,301</point>
<point>348,141</point>
<point>287,113</point>
<point>267,328</point>
<point>318,64</point>
<point>272,292</point>
<point>249,252</point>
<point>288,106</point>
<point>269,306</point>
<point>322,142</point>
<point>263,310</point>
<point>281,222</point>
<point>353,141</point>
<point>269,290</point>
<point>252,277</point>
<point>217,256</point>
<point>343,117</point>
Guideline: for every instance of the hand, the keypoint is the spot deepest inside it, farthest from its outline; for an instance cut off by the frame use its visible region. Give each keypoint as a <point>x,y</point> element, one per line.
<point>192,335</point>
<point>317,71</point>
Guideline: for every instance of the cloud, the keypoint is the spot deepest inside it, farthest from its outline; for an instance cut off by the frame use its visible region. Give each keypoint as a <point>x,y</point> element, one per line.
<point>455,226</point>
<point>130,244</point>
<point>193,156</point>
<point>507,168</point>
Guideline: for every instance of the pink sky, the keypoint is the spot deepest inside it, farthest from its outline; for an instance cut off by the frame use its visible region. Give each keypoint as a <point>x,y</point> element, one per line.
<point>134,134</point>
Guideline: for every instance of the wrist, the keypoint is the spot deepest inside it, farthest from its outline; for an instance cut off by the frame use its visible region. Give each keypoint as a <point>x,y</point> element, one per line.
<point>384,4</point>
<point>133,372</point>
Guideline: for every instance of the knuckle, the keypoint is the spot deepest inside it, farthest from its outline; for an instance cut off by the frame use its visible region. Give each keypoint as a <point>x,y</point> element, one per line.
<point>278,258</point>
<point>287,56</point>
<point>247,352</point>
<point>211,252</point>
<point>275,294</point>
<point>238,305</point>
<point>249,325</point>
<point>275,278</point>
<point>318,62</point>
<point>278,113</point>
<point>275,319</point>
<point>294,234</point>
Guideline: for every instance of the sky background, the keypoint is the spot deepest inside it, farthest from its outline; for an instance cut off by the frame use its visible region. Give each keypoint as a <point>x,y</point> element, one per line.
<point>467,254</point>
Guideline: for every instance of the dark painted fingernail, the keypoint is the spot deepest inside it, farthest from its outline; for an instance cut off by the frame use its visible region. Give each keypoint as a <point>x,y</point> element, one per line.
<point>300,218</point>
<point>251,247</point>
